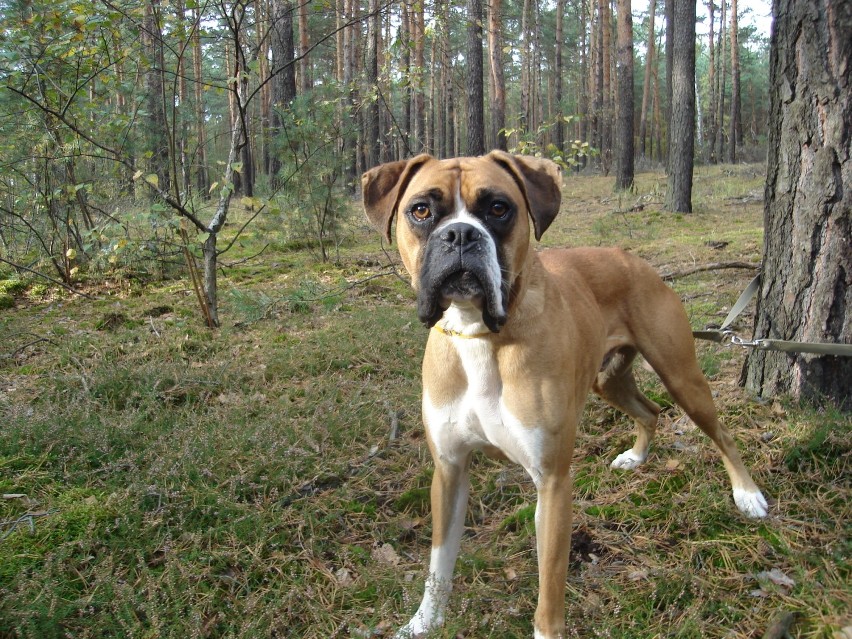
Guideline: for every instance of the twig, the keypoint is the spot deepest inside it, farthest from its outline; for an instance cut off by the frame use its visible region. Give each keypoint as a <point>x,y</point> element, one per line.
<point>713,266</point>
<point>245,259</point>
<point>196,280</point>
<point>20,349</point>
<point>48,278</point>
<point>29,517</point>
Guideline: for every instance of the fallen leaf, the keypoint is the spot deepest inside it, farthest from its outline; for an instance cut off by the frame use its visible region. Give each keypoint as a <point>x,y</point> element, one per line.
<point>672,464</point>
<point>638,575</point>
<point>386,554</point>
<point>344,577</point>
<point>777,577</point>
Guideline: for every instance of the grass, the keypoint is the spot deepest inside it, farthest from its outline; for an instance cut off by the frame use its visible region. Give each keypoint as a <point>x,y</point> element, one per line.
<point>169,481</point>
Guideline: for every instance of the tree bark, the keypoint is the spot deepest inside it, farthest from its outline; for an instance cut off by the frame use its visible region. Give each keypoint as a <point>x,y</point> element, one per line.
<point>418,28</point>
<point>670,46</point>
<point>475,92</point>
<point>583,100</point>
<point>283,72</point>
<point>371,111</point>
<point>202,179</point>
<point>657,133</point>
<point>526,65</point>
<point>720,94</point>
<point>733,135</point>
<point>806,292</point>
<point>646,85</point>
<point>498,82</point>
<point>624,116</point>
<point>711,81</point>
<point>559,133</point>
<point>405,42</point>
<point>682,123</point>
<point>305,82</point>
<point>158,138</point>
<point>606,123</point>
<point>596,80</point>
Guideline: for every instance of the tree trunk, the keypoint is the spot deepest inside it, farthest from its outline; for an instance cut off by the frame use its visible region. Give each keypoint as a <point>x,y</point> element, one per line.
<point>606,124</point>
<point>657,136</point>
<point>284,75</point>
<point>596,80</point>
<point>447,104</point>
<point>735,88</point>
<point>418,29</point>
<point>806,292</point>
<point>720,94</point>
<point>646,85</point>
<point>405,42</point>
<point>305,82</point>
<point>670,47</point>
<point>526,64</point>
<point>559,133</point>
<point>711,81</point>
<point>475,92</point>
<point>583,100</point>
<point>158,139</point>
<point>682,123</point>
<point>372,137</point>
<point>498,82</point>
<point>350,95</point>
<point>624,117</point>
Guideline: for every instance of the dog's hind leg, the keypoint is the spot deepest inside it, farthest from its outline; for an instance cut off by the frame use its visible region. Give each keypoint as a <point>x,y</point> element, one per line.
<point>673,359</point>
<point>616,385</point>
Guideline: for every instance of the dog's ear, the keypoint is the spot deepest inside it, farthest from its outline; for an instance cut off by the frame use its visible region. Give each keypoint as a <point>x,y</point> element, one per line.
<point>540,180</point>
<point>382,187</point>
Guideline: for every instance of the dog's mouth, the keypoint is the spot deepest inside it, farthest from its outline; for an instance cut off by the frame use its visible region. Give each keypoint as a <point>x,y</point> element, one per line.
<point>462,286</point>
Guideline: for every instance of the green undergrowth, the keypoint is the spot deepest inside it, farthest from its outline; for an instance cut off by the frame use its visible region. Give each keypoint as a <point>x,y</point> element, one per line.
<point>271,478</point>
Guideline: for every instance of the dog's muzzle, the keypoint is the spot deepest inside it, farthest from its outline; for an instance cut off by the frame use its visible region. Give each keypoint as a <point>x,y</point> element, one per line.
<point>461,264</point>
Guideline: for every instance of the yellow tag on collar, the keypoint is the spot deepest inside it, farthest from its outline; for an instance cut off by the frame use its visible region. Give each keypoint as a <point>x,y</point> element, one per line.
<point>451,333</point>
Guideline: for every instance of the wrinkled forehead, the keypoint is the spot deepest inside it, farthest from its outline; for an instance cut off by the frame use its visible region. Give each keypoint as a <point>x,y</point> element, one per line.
<point>468,178</point>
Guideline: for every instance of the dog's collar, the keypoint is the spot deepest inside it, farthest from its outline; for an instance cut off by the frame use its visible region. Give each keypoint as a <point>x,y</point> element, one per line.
<point>451,333</point>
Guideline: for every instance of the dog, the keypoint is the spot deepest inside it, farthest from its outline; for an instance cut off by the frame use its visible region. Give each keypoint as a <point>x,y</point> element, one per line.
<point>518,339</point>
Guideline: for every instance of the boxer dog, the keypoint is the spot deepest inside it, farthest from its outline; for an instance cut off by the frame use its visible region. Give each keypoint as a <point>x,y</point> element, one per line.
<point>518,339</point>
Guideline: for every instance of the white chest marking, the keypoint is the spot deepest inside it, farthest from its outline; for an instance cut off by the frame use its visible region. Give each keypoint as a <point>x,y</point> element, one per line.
<point>479,417</point>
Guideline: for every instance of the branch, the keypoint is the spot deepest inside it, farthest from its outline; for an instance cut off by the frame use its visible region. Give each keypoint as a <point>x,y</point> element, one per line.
<point>116,157</point>
<point>713,266</point>
<point>48,278</point>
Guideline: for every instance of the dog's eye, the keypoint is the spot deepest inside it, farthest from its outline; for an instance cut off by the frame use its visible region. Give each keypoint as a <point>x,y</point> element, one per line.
<point>421,211</point>
<point>499,209</point>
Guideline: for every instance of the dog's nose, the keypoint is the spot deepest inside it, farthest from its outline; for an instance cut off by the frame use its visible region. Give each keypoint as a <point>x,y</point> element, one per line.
<point>460,236</point>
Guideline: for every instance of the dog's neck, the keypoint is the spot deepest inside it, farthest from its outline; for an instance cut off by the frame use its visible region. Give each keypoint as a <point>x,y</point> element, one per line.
<point>526,295</point>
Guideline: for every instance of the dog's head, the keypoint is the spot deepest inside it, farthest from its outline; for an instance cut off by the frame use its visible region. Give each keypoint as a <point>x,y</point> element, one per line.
<point>463,225</point>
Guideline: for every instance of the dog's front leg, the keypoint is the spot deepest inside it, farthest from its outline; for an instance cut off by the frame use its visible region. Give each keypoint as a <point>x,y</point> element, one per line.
<point>450,488</point>
<point>553,537</point>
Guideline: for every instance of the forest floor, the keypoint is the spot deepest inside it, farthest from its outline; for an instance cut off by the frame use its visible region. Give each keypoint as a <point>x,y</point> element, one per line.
<point>270,478</point>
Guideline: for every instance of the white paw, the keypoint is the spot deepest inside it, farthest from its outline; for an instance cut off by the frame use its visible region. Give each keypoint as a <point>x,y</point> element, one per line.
<point>414,629</point>
<point>751,503</point>
<point>420,625</point>
<point>407,632</point>
<point>628,460</point>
